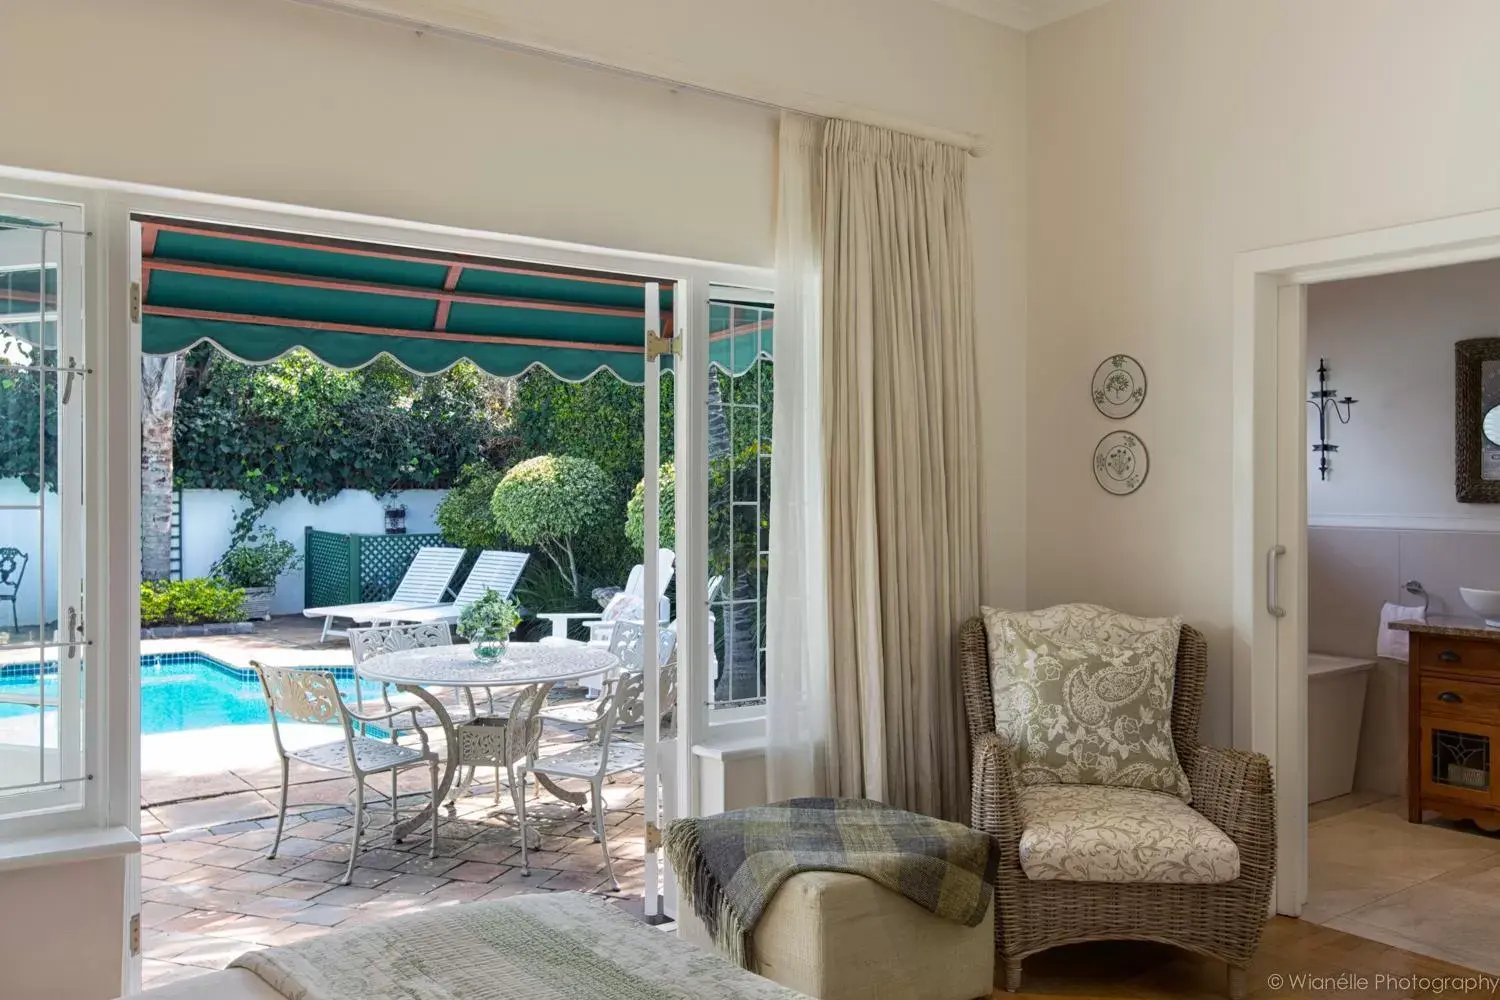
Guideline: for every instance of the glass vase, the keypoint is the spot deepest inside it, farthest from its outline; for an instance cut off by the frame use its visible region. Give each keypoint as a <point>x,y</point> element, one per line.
<point>488,646</point>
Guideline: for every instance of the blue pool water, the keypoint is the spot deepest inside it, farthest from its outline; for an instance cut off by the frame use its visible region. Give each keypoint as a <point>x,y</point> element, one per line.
<point>179,691</point>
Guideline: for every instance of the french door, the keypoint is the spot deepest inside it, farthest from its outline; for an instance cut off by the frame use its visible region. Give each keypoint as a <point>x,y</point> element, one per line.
<point>44,389</point>
<point>675,342</point>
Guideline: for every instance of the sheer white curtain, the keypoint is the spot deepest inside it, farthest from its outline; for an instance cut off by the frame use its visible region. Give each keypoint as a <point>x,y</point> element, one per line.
<point>797,679</point>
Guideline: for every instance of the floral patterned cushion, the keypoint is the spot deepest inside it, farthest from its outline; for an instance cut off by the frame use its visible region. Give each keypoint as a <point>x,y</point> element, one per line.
<point>1093,833</point>
<point>1085,696</point>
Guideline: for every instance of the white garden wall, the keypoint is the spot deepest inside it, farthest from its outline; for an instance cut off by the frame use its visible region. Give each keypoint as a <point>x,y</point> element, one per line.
<point>207,519</point>
<point>20,528</point>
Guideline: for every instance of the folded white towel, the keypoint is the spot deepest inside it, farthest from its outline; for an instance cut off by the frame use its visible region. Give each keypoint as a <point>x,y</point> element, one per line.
<point>1393,643</point>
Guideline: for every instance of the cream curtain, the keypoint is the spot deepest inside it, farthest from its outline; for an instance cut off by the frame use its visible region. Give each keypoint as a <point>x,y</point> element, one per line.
<point>797,682</point>
<point>901,475</point>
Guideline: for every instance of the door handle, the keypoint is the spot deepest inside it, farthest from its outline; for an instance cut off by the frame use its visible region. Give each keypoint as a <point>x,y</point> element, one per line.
<point>1273,602</point>
<point>1451,697</point>
<point>1449,656</point>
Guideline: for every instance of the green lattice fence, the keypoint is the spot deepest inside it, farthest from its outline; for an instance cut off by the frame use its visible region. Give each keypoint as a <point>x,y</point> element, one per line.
<point>348,569</point>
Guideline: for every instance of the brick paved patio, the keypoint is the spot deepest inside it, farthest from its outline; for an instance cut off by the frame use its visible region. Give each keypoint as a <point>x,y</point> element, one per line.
<point>210,893</point>
<point>209,812</point>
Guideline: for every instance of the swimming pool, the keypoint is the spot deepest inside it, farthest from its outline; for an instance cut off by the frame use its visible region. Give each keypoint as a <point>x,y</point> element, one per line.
<point>179,691</point>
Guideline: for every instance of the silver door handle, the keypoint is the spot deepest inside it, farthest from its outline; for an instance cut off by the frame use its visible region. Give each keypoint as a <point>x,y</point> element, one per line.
<point>1273,602</point>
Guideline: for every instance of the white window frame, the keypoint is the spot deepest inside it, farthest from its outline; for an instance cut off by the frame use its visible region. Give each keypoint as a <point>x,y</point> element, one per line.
<point>737,722</point>
<point>77,801</point>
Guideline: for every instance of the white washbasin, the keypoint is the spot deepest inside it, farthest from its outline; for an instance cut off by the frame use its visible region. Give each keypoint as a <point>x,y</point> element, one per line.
<point>1484,603</point>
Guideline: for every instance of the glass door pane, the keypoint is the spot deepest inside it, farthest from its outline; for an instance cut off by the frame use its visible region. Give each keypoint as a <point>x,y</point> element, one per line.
<point>741,386</point>
<point>41,524</point>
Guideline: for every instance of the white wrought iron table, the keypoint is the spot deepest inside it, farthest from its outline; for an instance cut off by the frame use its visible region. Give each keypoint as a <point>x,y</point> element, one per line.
<point>524,663</point>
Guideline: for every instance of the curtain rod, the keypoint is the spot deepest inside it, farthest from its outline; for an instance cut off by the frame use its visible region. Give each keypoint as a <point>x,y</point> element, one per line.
<point>806,104</point>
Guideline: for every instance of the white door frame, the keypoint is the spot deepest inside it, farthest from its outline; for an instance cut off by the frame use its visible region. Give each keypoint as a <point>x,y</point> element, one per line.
<point>1270,494</point>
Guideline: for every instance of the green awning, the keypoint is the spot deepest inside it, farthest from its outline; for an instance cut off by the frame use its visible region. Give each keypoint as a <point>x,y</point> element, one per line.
<point>257,294</point>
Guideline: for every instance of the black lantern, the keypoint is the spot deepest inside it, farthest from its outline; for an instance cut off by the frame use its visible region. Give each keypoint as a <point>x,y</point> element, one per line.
<point>395,520</point>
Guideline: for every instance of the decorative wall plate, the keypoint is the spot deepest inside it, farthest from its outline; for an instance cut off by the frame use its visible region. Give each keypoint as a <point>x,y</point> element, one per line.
<point>1119,386</point>
<point>1121,462</point>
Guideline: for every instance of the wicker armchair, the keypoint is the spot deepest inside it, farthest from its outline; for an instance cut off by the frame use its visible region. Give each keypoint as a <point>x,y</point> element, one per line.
<point>1231,788</point>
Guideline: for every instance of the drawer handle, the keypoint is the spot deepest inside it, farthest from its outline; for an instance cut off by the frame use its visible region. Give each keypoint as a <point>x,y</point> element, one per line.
<point>1449,656</point>
<point>1452,697</point>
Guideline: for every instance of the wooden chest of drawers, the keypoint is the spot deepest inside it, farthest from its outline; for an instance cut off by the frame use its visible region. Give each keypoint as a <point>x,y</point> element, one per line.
<point>1454,720</point>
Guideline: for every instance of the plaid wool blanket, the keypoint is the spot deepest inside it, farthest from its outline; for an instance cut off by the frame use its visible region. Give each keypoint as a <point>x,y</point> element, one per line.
<point>730,865</point>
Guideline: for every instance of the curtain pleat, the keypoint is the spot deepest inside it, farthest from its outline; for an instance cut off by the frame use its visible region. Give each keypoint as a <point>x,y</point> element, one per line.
<point>902,484</point>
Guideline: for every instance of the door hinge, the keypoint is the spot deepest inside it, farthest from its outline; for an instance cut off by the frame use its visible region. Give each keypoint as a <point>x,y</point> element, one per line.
<point>653,837</point>
<point>657,345</point>
<point>135,934</point>
<point>135,302</point>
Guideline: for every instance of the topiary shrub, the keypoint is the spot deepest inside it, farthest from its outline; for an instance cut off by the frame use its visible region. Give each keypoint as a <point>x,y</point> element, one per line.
<point>549,502</point>
<point>635,511</point>
<point>199,601</point>
<point>465,516</point>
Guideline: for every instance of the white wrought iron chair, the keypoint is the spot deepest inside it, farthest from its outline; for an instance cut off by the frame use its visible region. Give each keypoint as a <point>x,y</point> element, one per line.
<point>594,762</point>
<point>627,646</point>
<point>633,597</point>
<point>313,696</point>
<point>505,742</point>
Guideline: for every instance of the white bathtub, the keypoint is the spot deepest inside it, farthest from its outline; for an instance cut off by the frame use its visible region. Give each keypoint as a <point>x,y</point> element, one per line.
<point>1335,713</point>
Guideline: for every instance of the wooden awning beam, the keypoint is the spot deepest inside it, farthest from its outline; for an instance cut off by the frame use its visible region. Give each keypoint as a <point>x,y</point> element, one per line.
<point>150,228</point>
<point>381,331</point>
<point>444,297</point>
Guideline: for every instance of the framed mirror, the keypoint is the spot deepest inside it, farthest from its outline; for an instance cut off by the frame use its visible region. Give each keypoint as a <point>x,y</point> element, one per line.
<point>1476,412</point>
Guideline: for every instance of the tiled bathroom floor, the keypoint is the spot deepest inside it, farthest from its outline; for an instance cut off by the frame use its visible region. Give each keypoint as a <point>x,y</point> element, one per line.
<point>1433,889</point>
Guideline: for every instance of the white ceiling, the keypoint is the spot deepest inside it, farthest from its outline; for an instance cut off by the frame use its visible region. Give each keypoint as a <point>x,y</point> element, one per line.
<point>1023,15</point>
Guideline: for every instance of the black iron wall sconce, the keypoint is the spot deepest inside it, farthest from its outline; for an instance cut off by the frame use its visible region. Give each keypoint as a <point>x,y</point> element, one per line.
<point>1323,399</point>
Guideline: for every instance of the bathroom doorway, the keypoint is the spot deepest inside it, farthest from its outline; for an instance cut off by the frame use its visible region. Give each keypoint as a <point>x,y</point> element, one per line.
<point>1388,542</point>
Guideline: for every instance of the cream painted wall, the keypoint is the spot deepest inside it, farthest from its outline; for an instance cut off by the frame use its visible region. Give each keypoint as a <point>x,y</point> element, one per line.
<point>63,934</point>
<point>1389,343</point>
<point>1166,136</point>
<point>281,101</point>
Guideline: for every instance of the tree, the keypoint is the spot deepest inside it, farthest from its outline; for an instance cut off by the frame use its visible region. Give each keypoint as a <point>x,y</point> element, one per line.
<point>548,502</point>
<point>465,516</point>
<point>161,377</point>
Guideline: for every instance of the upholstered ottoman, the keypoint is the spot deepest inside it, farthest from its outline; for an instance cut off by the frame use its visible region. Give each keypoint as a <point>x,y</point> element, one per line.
<point>843,937</point>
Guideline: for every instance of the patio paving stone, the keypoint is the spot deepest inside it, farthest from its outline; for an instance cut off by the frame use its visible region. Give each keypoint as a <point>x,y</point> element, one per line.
<point>347,895</point>
<point>221,809</point>
<point>368,878</point>
<point>381,858</point>
<point>164,788</point>
<point>274,866</point>
<point>317,871</point>
<point>296,890</point>
<point>414,883</point>
<point>476,871</point>
<point>278,907</point>
<point>164,868</point>
<point>324,916</point>
<point>428,866</point>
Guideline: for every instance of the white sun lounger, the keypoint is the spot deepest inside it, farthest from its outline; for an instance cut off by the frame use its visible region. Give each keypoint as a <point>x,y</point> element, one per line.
<point>493,570</point>
<point>422,586</point>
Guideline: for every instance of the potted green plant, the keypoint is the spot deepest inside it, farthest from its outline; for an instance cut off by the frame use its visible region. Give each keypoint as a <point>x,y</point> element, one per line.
<point>254,564</point>
<point>488,623</point>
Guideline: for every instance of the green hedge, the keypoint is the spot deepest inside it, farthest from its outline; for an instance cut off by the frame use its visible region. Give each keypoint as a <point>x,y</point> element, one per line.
<point>20,389</point>
<point>199,601</point>
<point>296,425</point>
